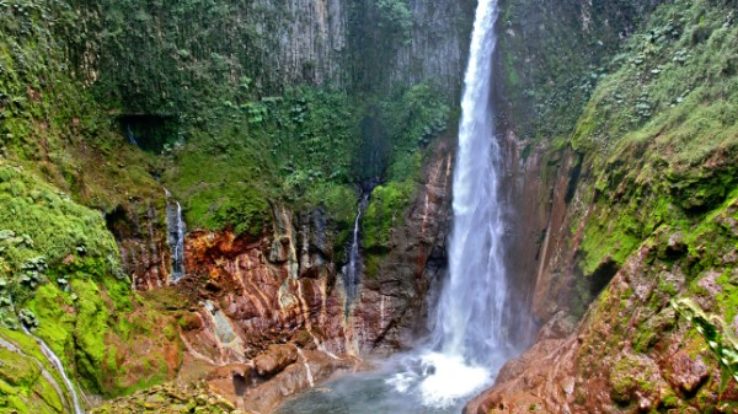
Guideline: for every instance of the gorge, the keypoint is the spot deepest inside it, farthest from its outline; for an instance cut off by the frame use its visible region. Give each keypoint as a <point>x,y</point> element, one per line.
<point>280,206</point>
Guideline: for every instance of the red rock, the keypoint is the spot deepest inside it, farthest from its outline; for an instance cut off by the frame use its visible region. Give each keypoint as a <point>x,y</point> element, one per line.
<point>687,374</point>
<point>275,359</point>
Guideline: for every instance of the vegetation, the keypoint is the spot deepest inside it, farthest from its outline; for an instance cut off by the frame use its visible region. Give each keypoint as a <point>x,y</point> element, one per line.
<point>552,58</point>
<point>669,110</point>
<point>655,205</point>
<point>654,120</point>
<point>60,276</point>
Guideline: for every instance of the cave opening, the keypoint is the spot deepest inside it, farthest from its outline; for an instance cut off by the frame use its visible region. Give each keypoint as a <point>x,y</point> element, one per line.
<point>151,132</point>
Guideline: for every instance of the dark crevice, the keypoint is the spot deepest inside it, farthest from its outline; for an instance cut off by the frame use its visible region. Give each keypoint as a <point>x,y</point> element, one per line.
<point>602,276</point>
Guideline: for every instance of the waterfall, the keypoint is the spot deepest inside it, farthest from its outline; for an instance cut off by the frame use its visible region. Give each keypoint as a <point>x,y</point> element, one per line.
<point>176,235</point>
<point>352,270</point>
<point>469,343</point>
<point>131,136</point>
<point>56,362</point>
<point>469,320</point>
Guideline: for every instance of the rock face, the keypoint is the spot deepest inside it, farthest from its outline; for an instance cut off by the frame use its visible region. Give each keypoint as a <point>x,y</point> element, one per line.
<point>619,230</point>
<point>437,46</point>
<point>263,310</point>
<point>171,399</point>
<point>611,363</point>
<point>142,240</point>
<point>187,50</point>
<point>391,311</point>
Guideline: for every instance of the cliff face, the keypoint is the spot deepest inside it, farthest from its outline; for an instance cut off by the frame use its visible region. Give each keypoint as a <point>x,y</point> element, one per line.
<point>635,308</point>
<point>248,294</point>
<point>198,52</point>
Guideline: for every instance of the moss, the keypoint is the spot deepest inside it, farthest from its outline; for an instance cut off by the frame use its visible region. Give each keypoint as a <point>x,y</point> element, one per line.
<point>92,321</point>
<point>372,263</point>
<point>22,386</point>
<point>55,226</point>
<point>385,212</point>
<point>623,381</point>
<point>728,297</point>
<point>52,308</point>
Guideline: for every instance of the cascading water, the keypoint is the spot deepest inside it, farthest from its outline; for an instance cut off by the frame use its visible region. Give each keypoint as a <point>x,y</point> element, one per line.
<point>469,339</point>
<point>469,342</point>
<point>131,136</point>
<point>353,267</point>
<point>176,235</point>
<point>56,362</point>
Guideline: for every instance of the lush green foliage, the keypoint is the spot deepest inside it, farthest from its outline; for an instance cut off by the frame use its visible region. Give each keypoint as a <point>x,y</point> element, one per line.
<point>717,335</point>
<point>662,130</point>
<point>276,149</point>
<point>551,59</point>
<point>60,276</point>
<point>395,16</point>
<point>48,120</point>
<point>412,119</point>
<point>304,149</point>
<point>42,229</point>
<point>189,55</point>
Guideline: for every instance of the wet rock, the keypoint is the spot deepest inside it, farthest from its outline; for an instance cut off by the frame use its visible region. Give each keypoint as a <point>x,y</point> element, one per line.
<point>636,378</point>
<point>171,399</point>
<point>687,374</point>
<point>231,381</point>
<point>275,359</point>
<point>312,367</point>
<point>279,252</point>
<point>710,290</point>
<point>560,326</point>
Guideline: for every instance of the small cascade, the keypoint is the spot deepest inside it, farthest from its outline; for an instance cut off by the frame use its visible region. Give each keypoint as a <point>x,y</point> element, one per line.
<point>176,235</point>
<point>131,136</point>
<point>352,271</point>
<point>56,362</point>
<point>308,371</point>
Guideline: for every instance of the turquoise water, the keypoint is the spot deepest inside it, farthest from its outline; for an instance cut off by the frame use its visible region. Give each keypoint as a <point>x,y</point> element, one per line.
<point>363,393</point>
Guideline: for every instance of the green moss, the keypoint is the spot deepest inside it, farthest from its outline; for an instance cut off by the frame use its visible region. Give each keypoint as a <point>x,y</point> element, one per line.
<point>89,332</point>
<point>552,56</point>
<point>22,386</point>
<point>728,297</point>
<point>55,226</point>
<point>56,323</point>
<point>385,212</point>
<point>372,263</point>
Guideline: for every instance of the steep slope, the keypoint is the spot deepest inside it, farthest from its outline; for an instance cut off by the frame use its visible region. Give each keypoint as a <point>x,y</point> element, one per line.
<point>642,219</point>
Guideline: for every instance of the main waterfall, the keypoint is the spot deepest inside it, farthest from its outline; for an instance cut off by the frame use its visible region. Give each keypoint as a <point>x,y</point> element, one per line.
<point>469,339</point>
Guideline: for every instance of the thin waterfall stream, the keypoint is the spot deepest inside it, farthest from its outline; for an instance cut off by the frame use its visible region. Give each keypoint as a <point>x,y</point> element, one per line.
<point>469,341</point>
<point>56,362</point>
<point>175,237</point>
<point>352,271</point>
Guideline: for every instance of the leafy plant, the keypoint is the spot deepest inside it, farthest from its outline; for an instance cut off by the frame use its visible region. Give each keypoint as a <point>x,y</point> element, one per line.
<point>717,335</point>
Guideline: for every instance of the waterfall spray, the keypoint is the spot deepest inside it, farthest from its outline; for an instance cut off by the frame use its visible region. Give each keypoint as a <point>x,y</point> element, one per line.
<point>469,343</point>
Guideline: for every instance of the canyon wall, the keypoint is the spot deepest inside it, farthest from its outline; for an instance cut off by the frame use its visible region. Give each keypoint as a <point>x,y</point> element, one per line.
<point>630,210</point>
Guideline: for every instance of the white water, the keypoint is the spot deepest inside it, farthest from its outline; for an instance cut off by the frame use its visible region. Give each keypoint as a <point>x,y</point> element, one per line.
<point>176,235</point>
<point>469,342</point>
<point>353,268</point>
<point>308,371</point>
<point>56,362</point>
